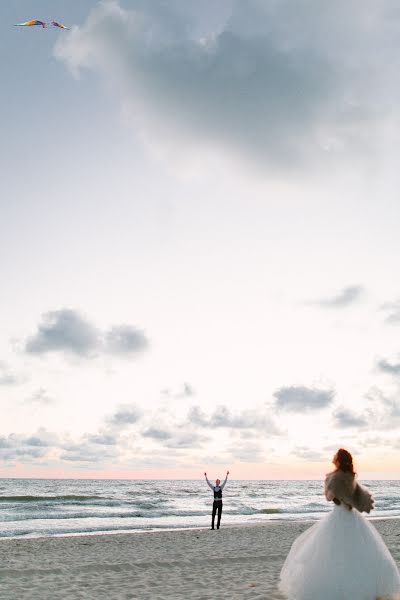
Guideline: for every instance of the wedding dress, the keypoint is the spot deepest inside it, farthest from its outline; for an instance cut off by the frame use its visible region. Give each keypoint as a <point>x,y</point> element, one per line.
<point>342,557</point>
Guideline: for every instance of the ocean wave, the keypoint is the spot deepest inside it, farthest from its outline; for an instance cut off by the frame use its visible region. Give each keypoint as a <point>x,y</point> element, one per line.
<point>68,498</point>
<point>309,507</point>
<point>53,532</point>
<point>55,516</point>
<point>149,504</point>
<point>72,516</point>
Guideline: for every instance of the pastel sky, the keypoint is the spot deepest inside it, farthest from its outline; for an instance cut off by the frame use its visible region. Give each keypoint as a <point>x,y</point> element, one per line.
<point>199,238</point>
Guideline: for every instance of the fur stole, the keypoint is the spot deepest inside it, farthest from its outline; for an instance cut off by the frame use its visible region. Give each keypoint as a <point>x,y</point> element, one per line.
<point>342,487</point>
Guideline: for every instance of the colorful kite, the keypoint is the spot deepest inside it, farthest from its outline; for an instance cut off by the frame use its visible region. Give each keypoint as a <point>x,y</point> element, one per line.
<point>31,24</point>
<point>43,24</point>
<point>55,24</point>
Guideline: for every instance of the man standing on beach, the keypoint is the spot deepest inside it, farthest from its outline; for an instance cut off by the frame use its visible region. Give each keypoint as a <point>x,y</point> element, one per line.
<point>217,504</point>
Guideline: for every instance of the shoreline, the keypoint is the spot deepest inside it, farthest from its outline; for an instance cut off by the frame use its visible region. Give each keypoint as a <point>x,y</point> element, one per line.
<point>267,523</point>
<point>238,562</point>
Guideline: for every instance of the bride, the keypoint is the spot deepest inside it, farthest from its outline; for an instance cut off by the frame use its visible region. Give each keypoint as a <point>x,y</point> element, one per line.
<point>342,557</point>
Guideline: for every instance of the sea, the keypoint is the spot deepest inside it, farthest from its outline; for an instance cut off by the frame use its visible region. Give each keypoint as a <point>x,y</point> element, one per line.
<point>31,508</point>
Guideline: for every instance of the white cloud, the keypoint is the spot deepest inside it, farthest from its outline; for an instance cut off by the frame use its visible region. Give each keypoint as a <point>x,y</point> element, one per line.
<point>185,391</point>
<point>345,418</point>
<point>124,416</point>
<point>382,411</point>
<point>387,367</point>
<point>82,452</point>
<point>104,439</point>
<point>9,378</point>
<point>64,330</point>
<point>27,448</point>
<point>392,310</point>
<point>347,296</point>
<point>41,396</point>
<point>275,84</point>
<point>125,340</point>
<point>299,398</point>
<point>67,331</point>
<point>222,417</point>
<point>308,454</point>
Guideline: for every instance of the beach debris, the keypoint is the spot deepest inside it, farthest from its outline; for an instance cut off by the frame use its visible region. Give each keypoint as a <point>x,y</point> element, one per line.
<point>43,24</point>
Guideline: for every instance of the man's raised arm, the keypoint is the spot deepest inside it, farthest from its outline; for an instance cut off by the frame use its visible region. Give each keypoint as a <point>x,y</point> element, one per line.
<point>226,479</point>
<point>209,484</point>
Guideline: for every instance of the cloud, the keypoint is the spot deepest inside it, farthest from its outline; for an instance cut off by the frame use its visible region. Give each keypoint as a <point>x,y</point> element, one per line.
<point>197,417</point>
<point>308,454</point>
<point>186,391</point>
<point>42,438</point>
<point>175,438</point>
<point>9,378</point>
<point>81,452</point>
<point>45,445</point>
<point>189,432</point>
<point>187,439</point>
<point>39,397</point>
<point>223,418</point>
<point>69,332</point>
<point>126,415</point>
<point>298,398</point>
<point>347,296</point>
<point>393,310</point>
<point>157,434</point>
<point>103,439</point>
<point>376,442</point>
<point>382,411</point>
<point>5,442</point>
<point>27,448</point>
<point>345,418</point>
<point>98,448</point>
<point>272,83</point>
<point>64,330</point>
<point>125,339</point>
<point>387,367</point>
<point>23,454</point>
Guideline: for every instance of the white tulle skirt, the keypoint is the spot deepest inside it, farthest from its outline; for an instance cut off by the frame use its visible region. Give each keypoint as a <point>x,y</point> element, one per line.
<point>342,557</point>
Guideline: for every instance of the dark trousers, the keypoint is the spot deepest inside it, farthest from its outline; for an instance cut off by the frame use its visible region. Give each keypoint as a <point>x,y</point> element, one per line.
<point>217,506</point>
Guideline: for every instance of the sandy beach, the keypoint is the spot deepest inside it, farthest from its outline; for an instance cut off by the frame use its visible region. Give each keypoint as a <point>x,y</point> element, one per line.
<point>235,562</point>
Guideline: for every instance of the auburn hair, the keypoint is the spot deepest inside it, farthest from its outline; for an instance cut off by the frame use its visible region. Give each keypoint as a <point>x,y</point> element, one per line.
<point>344,461</point>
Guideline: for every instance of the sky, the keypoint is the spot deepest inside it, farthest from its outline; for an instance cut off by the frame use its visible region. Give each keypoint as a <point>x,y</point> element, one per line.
<point>199,239</point>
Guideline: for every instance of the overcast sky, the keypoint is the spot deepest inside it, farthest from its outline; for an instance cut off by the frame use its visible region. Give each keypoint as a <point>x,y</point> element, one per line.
<point>199,238</point>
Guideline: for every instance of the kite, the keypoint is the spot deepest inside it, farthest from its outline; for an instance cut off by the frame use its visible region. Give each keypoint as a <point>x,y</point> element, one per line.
<point>31,24</point>
<point>43,24</point>
<point>55,24</point>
